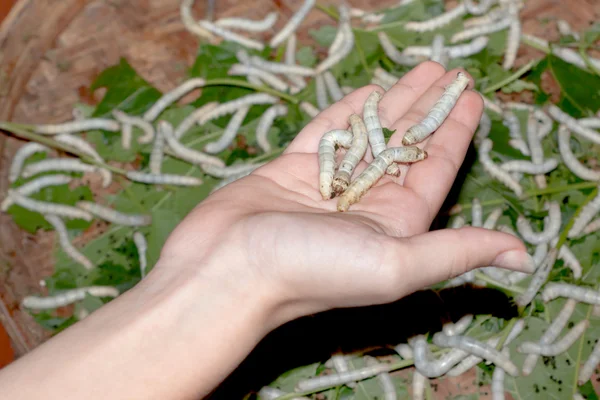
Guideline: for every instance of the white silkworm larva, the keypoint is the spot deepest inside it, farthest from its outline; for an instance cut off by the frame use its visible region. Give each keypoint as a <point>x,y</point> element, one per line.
<point>335,92</point>
<point>572,57</point>
<point>78,126</point>
<point>232,170</point>
<point>142,246</point>
<point>511,121</point>
<point>485,126</point>
<point>374,129</point>
<point>478,9</point>
<point>189,21</point>
<point>512,41</point>
<point>393,54</point>
<point>565,29</point>
<point>171,97</point>
<point>110,215</point>
<point>65,242</point>
<point>497,388</point>
<point>587,370</point>
<point>584,295</point>
<point>491,105</point>
<point>405,351</point>
<point>437,22</point>
<point>551,229</point>
<point>292,24</point>
<point>569,259</point>
<point>458,222</point>
<point>492,219</point>
<point>539,277</point>
<point>385,381</point>
<point>309,109</point>
<point>591,227</point>
<point>281,68</point>
<point>558,347</point>
<point>231,179</point>
<point>269,393</point>
<point>267,77</point>
<point>468,49</point>
<point>507,229</point>
<point>593,123</point>
<point>321,92</point>
<point>438,113</point>
<point>83,146</point>
<point>157,153</point>
<point>58,164</point>
<point>68,297</point>
<point>418,386</point>
<point>231,36</point>
<point>494,170</point>
<point>476,213</point>
<point>340,364</point>
<point>389,79</point>
<point>574,165</point>
<point>342,52</point>
<point>535,148</point>
<point>265,123</point>
<point>44,207</point>
<point>377,81</point>
<point>185,153</point>
<point>572,124</point>
<point>21,155</point>
<point>229,133</point>
<point>234,105</point>
<point>340,35</point>
<point>298,82</point>
<point>193,118</point>
<point>438,53</point>
<point>355,153</point>
<point>527,167</point>
<point>249,25</point>
<point>481,30</point>
<point>376,170</point>
<point>492,16</point>
<point>433,368</point>
<point>458,327</point>
<point>550,334</point>
<point>477,348</point>
<point>323,382</point>
<point>585,216</point>
<point>163,179</point>
<point>126,136</point>
<point>35,186</point>
<point>141,123</point>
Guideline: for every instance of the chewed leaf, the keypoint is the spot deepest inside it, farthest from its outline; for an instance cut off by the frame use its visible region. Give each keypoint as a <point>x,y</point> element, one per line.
<point>387,133</point>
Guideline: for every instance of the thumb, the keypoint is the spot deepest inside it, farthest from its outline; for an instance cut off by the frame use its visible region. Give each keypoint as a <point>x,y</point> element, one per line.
<point>440,255</point>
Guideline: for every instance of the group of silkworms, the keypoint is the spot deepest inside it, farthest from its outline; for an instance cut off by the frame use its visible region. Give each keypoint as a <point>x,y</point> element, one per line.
<point>459,352</point>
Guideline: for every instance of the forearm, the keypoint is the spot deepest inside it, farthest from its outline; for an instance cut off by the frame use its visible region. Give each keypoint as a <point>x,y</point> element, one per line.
<point>169,337</point>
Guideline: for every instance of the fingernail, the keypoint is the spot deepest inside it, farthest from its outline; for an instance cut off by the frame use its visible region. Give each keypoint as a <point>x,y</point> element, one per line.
<point>515,260</point>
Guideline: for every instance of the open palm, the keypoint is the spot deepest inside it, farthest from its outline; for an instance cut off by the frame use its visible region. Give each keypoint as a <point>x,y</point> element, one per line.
<point>275,231</point>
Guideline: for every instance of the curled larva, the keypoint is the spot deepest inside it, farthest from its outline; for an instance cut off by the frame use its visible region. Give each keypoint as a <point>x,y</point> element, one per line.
<point>433,368</point>
<point>478,9</point>
<point>438,51</point>
<point>477,348</point>
<point>185,153</point>
<point>110,215</point>
<point>332,86</point>
<point>78,126</point>
<point>63,238</point>
<point>163,179</point>
<point>139,122</point>
<point>492,219</point>
<point>492,16</point>
<point>437,22</point>
<point>44,207</point>
<point>468,49</point>
<point>539,277</point>
<point>385,381</point>
<point>393,53</point>
<point>588,368</point>
<point>21,155</point>
<point>83,146</point>
<point>585,216</point>
<point>269,393</point>
<point>551,228</point>
<point>249,25</point>
<point>68,297</point>
<point>497,388</point>
<point>35,186</point>
<point>157,152</point>
<point>142,246</point>
<point>481,30</point>
<point>231,36</point>
<point>309,109</point>
<point>485,126</point>
<point>558,347</point>
<point>513,40</point>
<point>458,327</point>
<point>321,92</point>
<point>234,105</point>
<point>376,170</point>
<point>494,170</point>
<point>232,170</point>
<point>584,295</point>
<point>58,164</point>
<point>187,17</point>
<point>574,165</point>
<point>326,381</point>
<point>572,124</point>
<point>384,76</point>
<point>476,213</point>
<point>438,113</point>
<point>355,153</point>
<point>342,52</point>
<point>418,386</point>
<point>527,167</point>
<point>281,68</point>
<point>267,77</point>
<point>193,118</point>
<point>292,24</point>
<point>374,129</point>
<point>229,133</point>
<point>171,97</point>
<point>265,123</point>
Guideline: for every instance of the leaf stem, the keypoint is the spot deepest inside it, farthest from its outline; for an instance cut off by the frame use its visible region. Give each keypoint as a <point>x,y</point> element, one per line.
<point>531,43</point>
<point>520,72</point>
<point>505,333</point>
<point>327,10</point>
<point>264,89</point>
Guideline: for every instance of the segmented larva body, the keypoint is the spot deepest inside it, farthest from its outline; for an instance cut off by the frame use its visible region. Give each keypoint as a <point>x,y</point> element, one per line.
<point>323,382</point>
<point>477,348</point>
<point>78,126</point>
<point>418,386</point>
<point>110,215</point>
<point>340,35</point>
<point>572,124</point>
<point>374,129</point>
<point>574,165</point>
<point>380,82</point>
<point>266,122</point>
<point>593,122</point>
<point>185,153</point>
<point>481,30</point>
<point>309,109</point>
<point>163,179</point>
<point>229,133</point>
<point>332,86</point>
<point>513,39</point>
<point>249,25</point>
<point>389,79</point>
<point>458,222</point>
<point>126,136</point>
<point>233,170</point>
<point>491,105</point>
<point>591,227</point>
<point>478,9</point>
<point>142,246</point>
<point>539,277</point>
<point>281,68</point>
<point>492,16</point>
<point>587,370</point>
<point>83,146</point>
<point>437,22</point>
<point>551,228</point>
<point>290,59</point>
<point>264,76</point>
<point>345,47</point>
<point>569,259</point>
<point>535,147</point>
<point>292,24</point>
<point>139,122</point>
<point>438,53</point>
<point>65,242</point>
<point>68,297</point>
<point>438,113</point>
<point>269,393</point>
<point>492,219</point>
<point>376,170</point>
<point>44,207</point>
<point>494,170</point>
<point>157,153</point>
<point>35,186</point>
<point>468,49</point>
<point>231,179</point>
<point>485,126</point>
<point>355,153</point>
<point>189,21</point>
<point>511,121</point>
<point>21,155</point>
<point>527,167</point>
<point>171,97</point>
<point>321,92</point>
<point>476,213</point>
<point>458,327</point>
<point>231,36</point>
<point>392,52</point>
<point>385,381</point>
<point>507,229</point>
<point>558,347</point>
<point>584,295</point>
<point>193,118</point>
<point>437,367</point>
<point>234,105</point>
<point>539,254</point>
<point>497,388</point>
<point>585,216</point>
<point>405,351</point>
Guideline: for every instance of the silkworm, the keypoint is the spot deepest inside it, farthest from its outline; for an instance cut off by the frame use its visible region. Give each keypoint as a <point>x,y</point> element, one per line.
<point>78,126</point>
<point>230,36</point>
<point>541,250</point>
<point>142,246</point>
<point>587,370</point>
<point>63,238</point>
<point>476,213</point>
<point>458,327</point>
<point>68,297</point>
<point>189,21</point>
<point>418,386</point>
<point>478,9</point>
<point>44,207</point>
<point>292,24</point>
<point>437,22</point>
<point>535,148</point>
<point>511,121</point>
<point>481,30</point>
<point>163,179</point>
<point>405,351</point>
<point>309,109</point>
<point>21,155</point>
<point>229,133</point>
<point>290,59</point>
<point>527,167</point>
<point>389,79</point>
<point>249,25</point>
<point>584,295</point>
<point>593,123</point>
<point>269,393</point>
<point>385,381</point>
<point>558,347</point>
<point>513,39</point>
<point>468,49</point>
<point>572,57</point>
<point>110,215</point>
<point>321,92</point>
<point>591,227</point>
<point>340,36</point>
<point>377,81</point>
<point>376,170</point>
<point>438,53</point>
<point>226,172</point>
<point>551,229</point>
<point>545,123</point>
<point>569,259</point>
<point>574,165</point>
<point>185,153</point>
<point>507,229</point>
<point>485,126</point>
<point>539,278</point>
<point>35,186</point>
<point>57,164</point>
<point>342,52</point>
<point>565,29</point>
<point>355,153</point>
<point>139,122</point>
<point>374,129</point>
<point>497,388</point>
<point>572,124</point>
<point>458,222</point>
<point>281,68</point>
<point>550,334</point>
<point>436,367</point>
<point>232,106</point>
<point>332,86</point>
<point>492,16</point>
<point>126,136</point>
<point>477,348</point>
<point>392,52</point>
<point>83,146</point>
<point>492,219</point>
<point>171,97</point>
<point>230,177</point>
<point>438,113</point>
<point>585,216</point>
<point>157,153</point>
<point>324,382</point>
<point>267,77</point>
<point>495,171</point>
<point>193,118</point>
<point>491,105</point>
<point>265,123</point>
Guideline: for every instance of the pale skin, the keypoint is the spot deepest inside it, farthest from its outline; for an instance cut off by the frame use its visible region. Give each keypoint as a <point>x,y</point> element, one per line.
<point>267,249</point>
